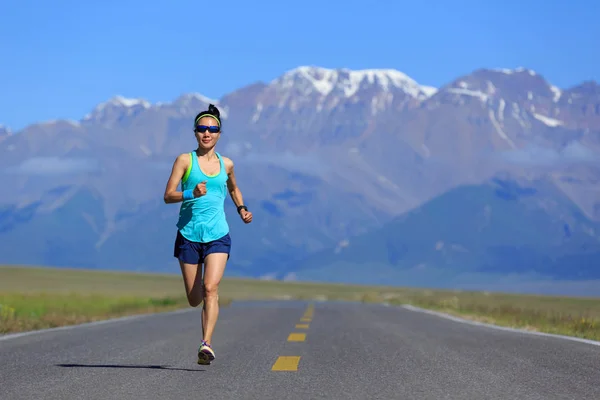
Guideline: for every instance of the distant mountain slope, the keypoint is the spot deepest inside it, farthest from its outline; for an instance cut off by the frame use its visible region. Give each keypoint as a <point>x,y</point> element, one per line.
<point>502,227</point>
<point>322,155</point>
<point>75,225</point>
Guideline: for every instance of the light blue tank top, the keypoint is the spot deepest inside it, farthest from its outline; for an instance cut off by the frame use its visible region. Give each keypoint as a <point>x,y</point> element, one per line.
<point>203,219</point>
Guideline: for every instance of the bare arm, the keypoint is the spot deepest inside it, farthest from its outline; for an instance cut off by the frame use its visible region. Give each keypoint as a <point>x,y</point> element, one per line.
<point>172,195</point>
<point>235,192</point>
<point>232,187</point>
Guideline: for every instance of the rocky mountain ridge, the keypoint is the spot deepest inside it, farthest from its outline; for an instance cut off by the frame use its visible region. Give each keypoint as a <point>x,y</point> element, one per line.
<point>322,155</point>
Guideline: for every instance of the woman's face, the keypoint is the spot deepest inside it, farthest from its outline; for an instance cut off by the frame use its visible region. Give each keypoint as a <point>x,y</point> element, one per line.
<point>207,139</point>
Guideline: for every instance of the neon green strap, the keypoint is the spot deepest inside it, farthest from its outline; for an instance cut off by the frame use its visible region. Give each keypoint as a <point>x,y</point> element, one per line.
<point>188,170</point>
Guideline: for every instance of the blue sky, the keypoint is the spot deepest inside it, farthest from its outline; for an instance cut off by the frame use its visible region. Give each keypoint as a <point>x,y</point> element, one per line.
<point>62,58</point>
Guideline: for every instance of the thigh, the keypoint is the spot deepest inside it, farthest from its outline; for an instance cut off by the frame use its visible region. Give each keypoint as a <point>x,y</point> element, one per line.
<point>214,267</point>
<point>216,254</point>
<point>189,255</point>
<point>192,278</point>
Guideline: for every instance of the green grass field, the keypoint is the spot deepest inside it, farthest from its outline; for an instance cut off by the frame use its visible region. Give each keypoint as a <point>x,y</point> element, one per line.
<point>35,298</point>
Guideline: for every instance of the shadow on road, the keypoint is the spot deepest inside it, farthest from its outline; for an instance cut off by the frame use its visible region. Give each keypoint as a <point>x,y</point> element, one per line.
<point>163,367</point>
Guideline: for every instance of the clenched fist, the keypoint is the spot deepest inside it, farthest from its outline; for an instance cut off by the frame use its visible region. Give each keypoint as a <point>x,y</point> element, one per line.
<point>246,216</point>
<point>200,189</point>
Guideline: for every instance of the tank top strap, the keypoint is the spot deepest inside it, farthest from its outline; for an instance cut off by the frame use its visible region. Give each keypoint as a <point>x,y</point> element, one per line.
<point>188,170</point>
<point>221,163</point>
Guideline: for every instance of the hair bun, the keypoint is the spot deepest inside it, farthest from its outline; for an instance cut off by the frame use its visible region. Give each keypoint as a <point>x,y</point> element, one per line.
<point>214,110</point>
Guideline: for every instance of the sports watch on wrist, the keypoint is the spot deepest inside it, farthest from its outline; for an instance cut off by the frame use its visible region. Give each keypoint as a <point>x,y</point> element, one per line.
<point>241,207</point>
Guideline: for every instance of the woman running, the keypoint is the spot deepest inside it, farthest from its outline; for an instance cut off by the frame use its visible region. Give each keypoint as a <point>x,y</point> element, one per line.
<point>203,231</point>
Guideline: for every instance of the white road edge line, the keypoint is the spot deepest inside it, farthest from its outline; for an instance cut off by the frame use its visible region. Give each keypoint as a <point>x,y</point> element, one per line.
<point>498,327</point>
<point>94,323</point>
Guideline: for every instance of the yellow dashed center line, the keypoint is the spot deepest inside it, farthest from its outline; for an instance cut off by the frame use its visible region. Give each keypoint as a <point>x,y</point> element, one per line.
<point>286,363</point>
<point>290,363</point>
<point>297,337</point>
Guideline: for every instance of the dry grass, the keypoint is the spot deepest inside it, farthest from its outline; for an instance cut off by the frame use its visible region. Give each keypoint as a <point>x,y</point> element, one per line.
<point>578,317</point>
<point>37,298</point>
<point>33,298</point>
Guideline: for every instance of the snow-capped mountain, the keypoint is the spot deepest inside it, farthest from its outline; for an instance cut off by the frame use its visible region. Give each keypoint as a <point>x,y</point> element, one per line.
<point>344,83</point>
<point>324,89</point>
<point>190,103</point>
<point>319,107</point>
<point>115,110</point>
<point>322,155</point>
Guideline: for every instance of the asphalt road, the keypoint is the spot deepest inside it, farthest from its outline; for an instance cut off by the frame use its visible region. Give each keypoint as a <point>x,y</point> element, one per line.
<point>349,351</point>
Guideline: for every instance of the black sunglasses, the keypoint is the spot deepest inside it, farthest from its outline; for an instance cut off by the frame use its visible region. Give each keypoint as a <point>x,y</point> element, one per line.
<point>204,128</point>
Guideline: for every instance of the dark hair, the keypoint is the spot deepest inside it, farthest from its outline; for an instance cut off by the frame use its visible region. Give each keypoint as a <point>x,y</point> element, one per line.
<point>211,112</point>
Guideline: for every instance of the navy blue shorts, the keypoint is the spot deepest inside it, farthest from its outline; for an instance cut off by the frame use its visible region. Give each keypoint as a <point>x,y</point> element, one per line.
<point>194,252</point>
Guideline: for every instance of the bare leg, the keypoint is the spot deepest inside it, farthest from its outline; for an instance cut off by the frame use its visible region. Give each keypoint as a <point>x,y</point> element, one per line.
<point>193,283</point>
<point>214,267</point>
<point>192,279</point>
<point>203,317</point>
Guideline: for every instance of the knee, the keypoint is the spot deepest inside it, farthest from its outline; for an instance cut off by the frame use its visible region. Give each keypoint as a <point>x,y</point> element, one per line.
<point>211,289</point>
